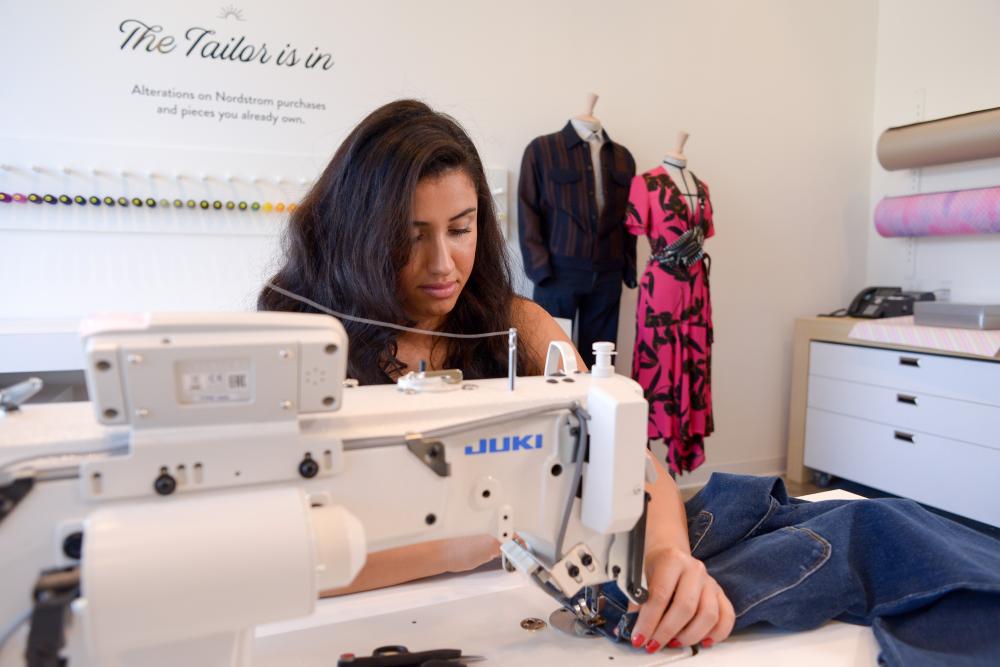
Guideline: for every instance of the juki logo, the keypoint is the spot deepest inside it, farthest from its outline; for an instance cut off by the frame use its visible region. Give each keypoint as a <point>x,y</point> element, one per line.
<point>509,443</point>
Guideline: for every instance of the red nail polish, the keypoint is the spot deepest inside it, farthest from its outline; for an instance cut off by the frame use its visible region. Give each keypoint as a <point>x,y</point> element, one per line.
<point>707,642</point>
<point>653,647</point>
<point>673,644</point>
<point>638,640</point>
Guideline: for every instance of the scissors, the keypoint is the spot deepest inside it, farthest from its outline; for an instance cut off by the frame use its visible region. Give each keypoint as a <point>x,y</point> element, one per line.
<point>400,656</point>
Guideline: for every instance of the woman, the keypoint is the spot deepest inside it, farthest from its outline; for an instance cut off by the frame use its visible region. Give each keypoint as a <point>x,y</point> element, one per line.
<point>400,228</point>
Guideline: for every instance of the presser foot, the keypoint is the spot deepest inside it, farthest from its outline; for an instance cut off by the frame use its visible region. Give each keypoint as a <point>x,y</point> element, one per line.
<point>584,616</point>
<point>565,621</point>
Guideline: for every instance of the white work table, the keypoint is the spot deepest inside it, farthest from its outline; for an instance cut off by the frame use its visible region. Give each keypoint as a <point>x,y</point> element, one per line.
<point>481,614</point>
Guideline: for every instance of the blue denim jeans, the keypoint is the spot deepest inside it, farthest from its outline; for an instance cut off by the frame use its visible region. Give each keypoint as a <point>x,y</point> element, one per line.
<point>594,296</point>
<point>929,587</point>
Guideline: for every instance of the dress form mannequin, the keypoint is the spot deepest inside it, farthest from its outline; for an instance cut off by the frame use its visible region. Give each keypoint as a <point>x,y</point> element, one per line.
<point>572,198</point>
<point>676,157</point>
<point>587,124</point>
<point>672,360</point>
<point>587,117</point>
<point>675,163</point>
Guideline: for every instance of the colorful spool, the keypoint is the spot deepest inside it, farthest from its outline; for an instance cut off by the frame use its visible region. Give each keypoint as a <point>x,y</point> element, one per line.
<point>95,200</point>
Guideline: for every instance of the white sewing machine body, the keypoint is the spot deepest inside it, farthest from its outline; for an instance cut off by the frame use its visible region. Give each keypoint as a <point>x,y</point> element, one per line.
<point>236,477</point>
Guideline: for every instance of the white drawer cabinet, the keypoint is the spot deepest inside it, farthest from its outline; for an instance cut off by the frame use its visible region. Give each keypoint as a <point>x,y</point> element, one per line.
<point>951,377</point>
<point>911,411</point>
<point>922,426</point>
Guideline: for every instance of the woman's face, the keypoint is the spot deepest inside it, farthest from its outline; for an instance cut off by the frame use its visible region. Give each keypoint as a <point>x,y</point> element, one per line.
<point>443,247</point>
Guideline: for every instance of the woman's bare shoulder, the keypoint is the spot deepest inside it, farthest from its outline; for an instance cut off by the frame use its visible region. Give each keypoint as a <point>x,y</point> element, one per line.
<point>526,313</point>
<point>536,328</point>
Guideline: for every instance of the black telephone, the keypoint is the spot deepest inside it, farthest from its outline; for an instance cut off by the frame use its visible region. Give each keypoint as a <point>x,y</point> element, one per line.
<point>872,301</point>
<point>875,302</point>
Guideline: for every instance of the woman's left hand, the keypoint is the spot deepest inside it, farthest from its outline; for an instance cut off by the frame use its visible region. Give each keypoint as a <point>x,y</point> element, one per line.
<point>686,605</point>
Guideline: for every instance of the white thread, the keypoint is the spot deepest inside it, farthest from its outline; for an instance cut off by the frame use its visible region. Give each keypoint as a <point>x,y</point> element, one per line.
<point>363,320</point>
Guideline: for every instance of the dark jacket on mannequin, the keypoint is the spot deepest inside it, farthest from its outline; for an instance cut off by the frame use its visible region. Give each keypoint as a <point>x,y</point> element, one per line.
<point>558,217</point>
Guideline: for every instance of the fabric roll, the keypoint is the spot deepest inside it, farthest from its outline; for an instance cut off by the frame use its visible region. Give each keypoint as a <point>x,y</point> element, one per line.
<point>970,136</point>
<point>940,213</point>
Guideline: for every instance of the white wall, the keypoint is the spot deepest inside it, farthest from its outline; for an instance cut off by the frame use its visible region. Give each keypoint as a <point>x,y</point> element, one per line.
<point>777,95</point>
<point>778,103</point>
<point>935,59</point>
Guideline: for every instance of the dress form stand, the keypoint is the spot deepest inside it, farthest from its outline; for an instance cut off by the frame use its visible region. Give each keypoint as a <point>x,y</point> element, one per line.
<point>588,126</point>
<point>587,116</point>
<point>675,163</point>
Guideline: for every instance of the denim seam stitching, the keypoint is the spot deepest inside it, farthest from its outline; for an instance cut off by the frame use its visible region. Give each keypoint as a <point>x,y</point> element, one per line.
<point>947,588</point>
<point>770,510</point>
<point>711,520</point>
<point>827,550</point>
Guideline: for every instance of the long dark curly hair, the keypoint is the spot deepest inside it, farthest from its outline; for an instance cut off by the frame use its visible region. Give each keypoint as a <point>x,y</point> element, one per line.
<point>350,236</point>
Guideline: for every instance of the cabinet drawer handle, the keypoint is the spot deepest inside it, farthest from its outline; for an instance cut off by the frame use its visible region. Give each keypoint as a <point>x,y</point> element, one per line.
<point>906,398</point>
<point>909,361</point>
<point>905,437</point>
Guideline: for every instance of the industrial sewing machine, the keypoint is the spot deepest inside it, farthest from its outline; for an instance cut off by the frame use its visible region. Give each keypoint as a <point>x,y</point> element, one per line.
<point>224,473</point>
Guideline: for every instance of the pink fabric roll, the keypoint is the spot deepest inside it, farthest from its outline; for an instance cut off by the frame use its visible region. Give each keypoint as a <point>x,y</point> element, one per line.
<point>940,214</point>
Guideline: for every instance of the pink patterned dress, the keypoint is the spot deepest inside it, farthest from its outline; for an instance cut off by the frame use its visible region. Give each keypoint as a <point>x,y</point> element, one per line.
<point>673,338</point>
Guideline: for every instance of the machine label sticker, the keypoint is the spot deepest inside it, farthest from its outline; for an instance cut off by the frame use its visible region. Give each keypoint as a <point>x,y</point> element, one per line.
<point>508,443</point>
<point>214,381</point>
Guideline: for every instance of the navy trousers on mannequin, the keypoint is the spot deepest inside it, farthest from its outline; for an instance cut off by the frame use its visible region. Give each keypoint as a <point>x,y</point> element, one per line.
<point>928,587</point>
<point>594,296</point>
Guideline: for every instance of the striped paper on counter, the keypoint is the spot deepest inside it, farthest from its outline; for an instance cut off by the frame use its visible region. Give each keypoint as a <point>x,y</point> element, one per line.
<point>902,331</point>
